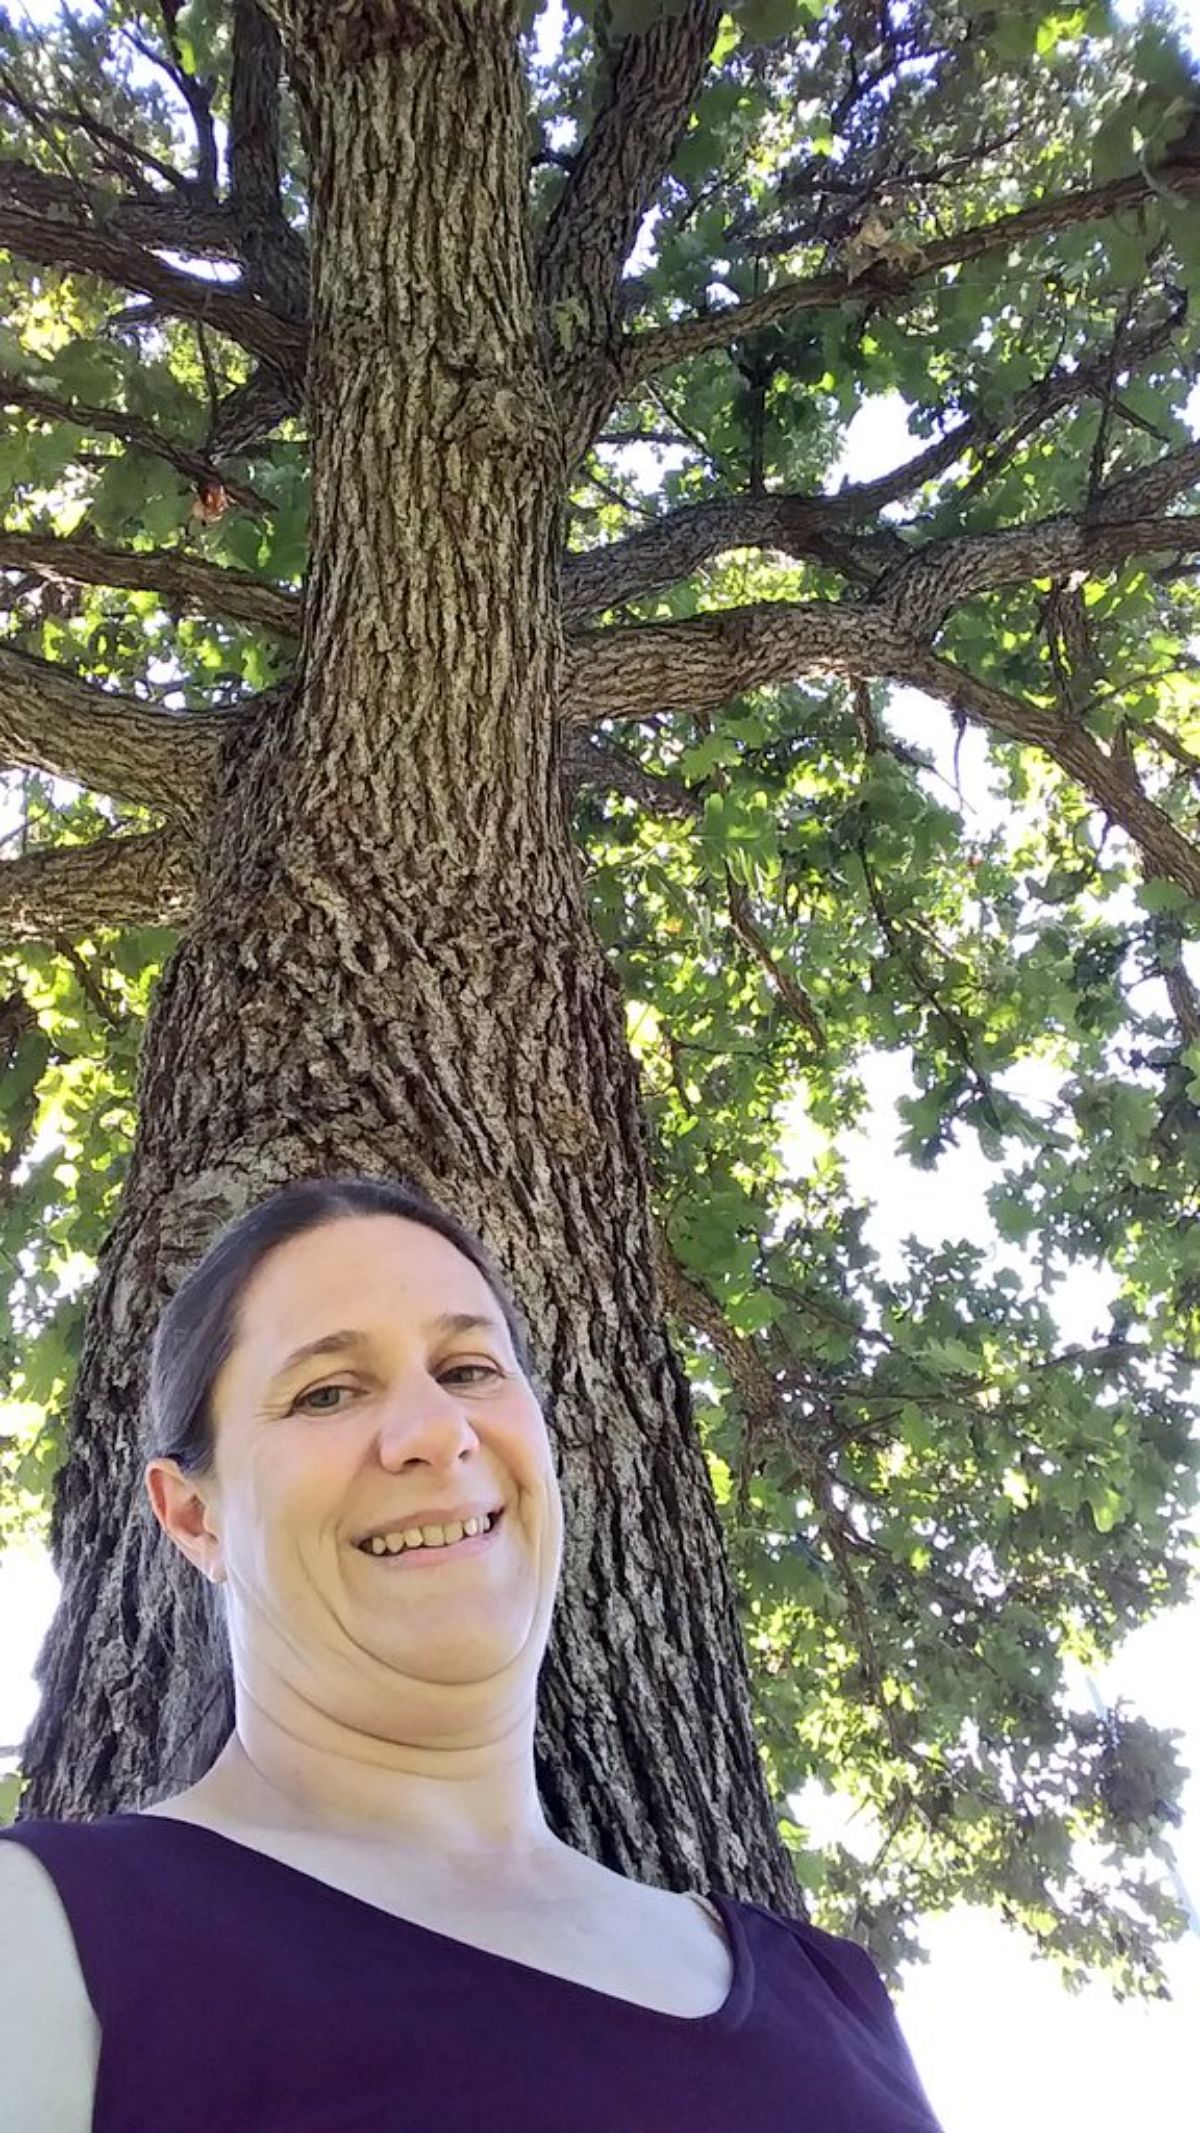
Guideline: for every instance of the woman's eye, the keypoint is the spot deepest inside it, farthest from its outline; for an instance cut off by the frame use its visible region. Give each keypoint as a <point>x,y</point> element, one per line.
<point>456,1371</point>
<point>312,1393</point>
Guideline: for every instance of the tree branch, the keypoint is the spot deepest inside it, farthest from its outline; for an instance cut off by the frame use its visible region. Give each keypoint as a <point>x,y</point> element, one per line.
<point>685,1298</point>
<point>760,1370</point>
<point>790,991</point>
<point>145,880</point>
<point>88,250</point>
<point>922,590</point>
<point>1188,763</point>
<point>197,95</point>
<point>1149,489</point>
<point>596,764</point>
<point>184,581</point>
<point>1184,999</point>
<point>1060,387</point>
<point>124,156</point>
<point>813,528</point>
<point>651,349</point>
<point>174,221</point>
<point>51,720</point>
<point>822,529</point>
<point>251,412</point>
<point>652,86</point>
<point>132,430</point>
<point>274,256</point>
<point>1109,780</point>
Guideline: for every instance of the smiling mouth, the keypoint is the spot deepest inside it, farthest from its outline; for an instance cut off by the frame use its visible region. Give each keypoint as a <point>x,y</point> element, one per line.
<point>452,1551</point>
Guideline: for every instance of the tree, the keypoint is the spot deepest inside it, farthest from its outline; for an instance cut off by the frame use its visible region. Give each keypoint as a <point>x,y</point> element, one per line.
<point>462,794</point>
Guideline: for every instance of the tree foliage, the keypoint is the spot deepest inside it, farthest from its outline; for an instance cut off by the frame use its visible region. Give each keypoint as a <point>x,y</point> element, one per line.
<point>930,1500</point>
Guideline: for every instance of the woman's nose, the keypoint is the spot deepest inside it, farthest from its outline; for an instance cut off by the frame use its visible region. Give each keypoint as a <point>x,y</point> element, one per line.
<point>429,1426</point>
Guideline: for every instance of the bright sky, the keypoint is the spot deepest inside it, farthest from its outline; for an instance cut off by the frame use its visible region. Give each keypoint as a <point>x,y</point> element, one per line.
<point>996,2039</point>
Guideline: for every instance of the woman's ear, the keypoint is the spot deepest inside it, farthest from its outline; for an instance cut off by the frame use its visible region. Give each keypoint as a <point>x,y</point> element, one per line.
<point>183,1512</point>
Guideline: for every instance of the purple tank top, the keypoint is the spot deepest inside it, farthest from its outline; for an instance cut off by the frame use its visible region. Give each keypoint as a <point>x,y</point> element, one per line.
<point>239,1995</point>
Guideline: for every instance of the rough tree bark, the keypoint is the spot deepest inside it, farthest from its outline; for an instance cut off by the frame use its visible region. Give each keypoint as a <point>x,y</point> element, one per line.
<point>389,966</point>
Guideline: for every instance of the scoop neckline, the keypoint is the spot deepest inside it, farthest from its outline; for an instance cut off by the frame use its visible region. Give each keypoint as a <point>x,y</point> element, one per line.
<point>731,2011</point>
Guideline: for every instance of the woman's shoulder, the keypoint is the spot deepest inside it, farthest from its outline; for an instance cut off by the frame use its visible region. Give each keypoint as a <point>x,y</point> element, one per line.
<point>845,1966</point>
<point>49,2034</point>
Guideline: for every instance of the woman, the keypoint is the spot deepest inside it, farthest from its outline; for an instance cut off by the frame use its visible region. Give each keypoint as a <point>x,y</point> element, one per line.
<point>358,1919</point>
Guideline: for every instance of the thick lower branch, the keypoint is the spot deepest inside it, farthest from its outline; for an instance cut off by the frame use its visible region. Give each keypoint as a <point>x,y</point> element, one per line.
<point>146,880</point>
<point>655,667</point>
<point>52,721</point>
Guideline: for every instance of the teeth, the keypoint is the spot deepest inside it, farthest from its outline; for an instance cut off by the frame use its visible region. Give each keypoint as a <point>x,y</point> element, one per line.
<point>425,1536</point>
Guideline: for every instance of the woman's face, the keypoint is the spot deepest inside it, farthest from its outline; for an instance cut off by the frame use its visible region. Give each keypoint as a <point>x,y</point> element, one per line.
<point>409,1417</point>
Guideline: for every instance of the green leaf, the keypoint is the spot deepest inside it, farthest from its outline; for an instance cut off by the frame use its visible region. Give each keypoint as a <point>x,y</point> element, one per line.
<point>1106,1507</point>
<point>24,1072</point>
<point>88,370</point>
<point>1181,220</point>
<point>955,1355</point>
<point>1112,148</point>
<point>1160,894</point>
<point>764,21</point>
<point>700,761</point>
<point>1125,247</point>
<point>122,490</point>
<point>241,540</point>
<point>141,947</point>
<point>164,512</point>
<point>285,541</point>
<point>1054,29</point>
<point>1014,36</point>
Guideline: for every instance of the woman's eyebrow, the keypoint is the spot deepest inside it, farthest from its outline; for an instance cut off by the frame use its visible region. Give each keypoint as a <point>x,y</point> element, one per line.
<point>354,1337</point>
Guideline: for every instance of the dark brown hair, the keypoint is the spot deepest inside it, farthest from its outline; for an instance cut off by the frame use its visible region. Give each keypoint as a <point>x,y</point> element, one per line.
<point>196,1330</point>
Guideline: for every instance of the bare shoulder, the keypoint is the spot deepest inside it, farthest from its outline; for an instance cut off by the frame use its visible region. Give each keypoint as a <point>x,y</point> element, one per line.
<point>689,1906</point>
<point>687,1915</point>
<point>49,2035</point>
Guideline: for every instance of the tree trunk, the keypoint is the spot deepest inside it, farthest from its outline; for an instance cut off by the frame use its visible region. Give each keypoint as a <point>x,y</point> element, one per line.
<point>391,969</point>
